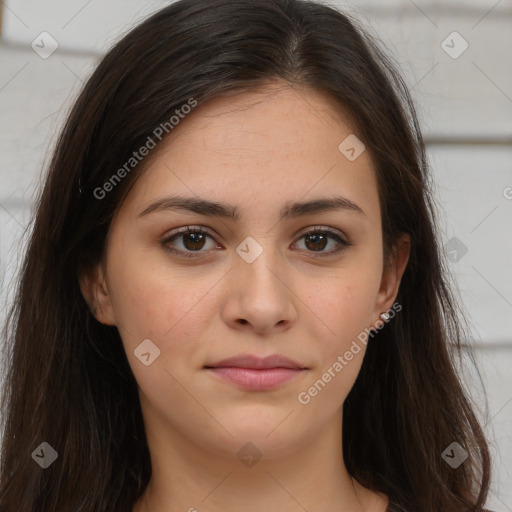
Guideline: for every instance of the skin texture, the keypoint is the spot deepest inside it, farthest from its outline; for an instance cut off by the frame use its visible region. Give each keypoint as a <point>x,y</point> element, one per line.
<point>258,150</point>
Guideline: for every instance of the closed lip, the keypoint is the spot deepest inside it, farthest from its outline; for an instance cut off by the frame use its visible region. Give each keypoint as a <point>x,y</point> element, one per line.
<point>257,363</point>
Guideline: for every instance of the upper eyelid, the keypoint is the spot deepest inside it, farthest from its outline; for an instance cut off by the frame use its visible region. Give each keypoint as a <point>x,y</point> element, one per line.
<point>317,227</point>
<point>300,233</point>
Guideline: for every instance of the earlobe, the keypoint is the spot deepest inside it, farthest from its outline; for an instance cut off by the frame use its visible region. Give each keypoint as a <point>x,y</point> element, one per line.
<point>392,275</point>
<point>95,292</point>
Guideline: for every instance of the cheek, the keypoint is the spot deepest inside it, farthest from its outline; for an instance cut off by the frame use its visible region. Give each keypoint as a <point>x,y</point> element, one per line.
<point>140,304</point>
<point>343,306</point>
<point>344,303</point>
<point>169,308</point>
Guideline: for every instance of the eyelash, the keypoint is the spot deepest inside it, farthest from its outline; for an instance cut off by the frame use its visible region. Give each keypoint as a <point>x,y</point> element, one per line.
<point>343,244</point>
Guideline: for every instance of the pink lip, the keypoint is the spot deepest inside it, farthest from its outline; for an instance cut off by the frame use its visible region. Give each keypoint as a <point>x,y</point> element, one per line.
<point>257,374</point>
<point>256,380</point>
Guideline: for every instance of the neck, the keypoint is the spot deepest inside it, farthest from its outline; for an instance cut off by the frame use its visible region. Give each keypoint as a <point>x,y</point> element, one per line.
<point>186,477</point>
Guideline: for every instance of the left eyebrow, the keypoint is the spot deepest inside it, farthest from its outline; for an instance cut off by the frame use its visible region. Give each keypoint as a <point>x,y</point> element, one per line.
<point>215,209</point>
<point>318,206</point>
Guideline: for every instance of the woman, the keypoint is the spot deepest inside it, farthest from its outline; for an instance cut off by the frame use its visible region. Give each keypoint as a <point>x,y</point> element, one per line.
<point>233,295</point>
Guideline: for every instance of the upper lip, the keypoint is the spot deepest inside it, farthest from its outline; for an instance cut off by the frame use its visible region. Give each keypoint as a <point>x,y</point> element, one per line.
<point>257,363</point>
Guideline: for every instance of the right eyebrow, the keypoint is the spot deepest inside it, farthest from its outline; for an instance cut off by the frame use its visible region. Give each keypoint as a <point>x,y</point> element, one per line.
<point>191,204</point>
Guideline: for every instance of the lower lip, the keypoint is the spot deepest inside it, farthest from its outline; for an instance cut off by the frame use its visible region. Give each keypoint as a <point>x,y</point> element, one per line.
<point>256,380</point>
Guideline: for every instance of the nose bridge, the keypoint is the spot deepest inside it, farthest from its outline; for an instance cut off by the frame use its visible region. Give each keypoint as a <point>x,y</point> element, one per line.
<point>259,263</point>
<point>258,294</point>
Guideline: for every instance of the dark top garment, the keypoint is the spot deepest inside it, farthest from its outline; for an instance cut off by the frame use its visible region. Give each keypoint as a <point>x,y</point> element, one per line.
<point>392,507</point>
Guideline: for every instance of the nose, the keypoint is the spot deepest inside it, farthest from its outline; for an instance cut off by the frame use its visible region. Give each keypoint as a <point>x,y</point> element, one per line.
<point>259,296</point>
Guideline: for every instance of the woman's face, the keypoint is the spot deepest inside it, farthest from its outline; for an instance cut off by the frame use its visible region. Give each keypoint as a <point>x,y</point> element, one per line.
<point>256,282</point>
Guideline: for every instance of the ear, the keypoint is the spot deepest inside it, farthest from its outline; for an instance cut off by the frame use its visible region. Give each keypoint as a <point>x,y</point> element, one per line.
<point>95,292</point>
<point>392,275</point>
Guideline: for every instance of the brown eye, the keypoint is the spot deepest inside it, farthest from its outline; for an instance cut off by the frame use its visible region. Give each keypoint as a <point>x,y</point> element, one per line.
<point>193,240</point>
<point>318,240</point>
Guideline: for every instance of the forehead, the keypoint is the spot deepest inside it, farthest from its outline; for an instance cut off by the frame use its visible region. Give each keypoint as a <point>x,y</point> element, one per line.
<point>274,144</point>
<point>264,119</point>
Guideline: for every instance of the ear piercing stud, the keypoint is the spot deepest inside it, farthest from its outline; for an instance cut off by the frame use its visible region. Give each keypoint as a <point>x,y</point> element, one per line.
<point>384,316</point>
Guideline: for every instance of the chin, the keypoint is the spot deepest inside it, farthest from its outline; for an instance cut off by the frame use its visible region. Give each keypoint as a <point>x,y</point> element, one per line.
<point>259,439</point>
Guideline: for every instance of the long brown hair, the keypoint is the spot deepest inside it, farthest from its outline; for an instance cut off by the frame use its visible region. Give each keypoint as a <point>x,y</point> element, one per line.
<point>68,382</point>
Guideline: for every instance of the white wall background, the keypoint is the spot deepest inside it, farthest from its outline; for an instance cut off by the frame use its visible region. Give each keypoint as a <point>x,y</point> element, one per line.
<point>465,105</point>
